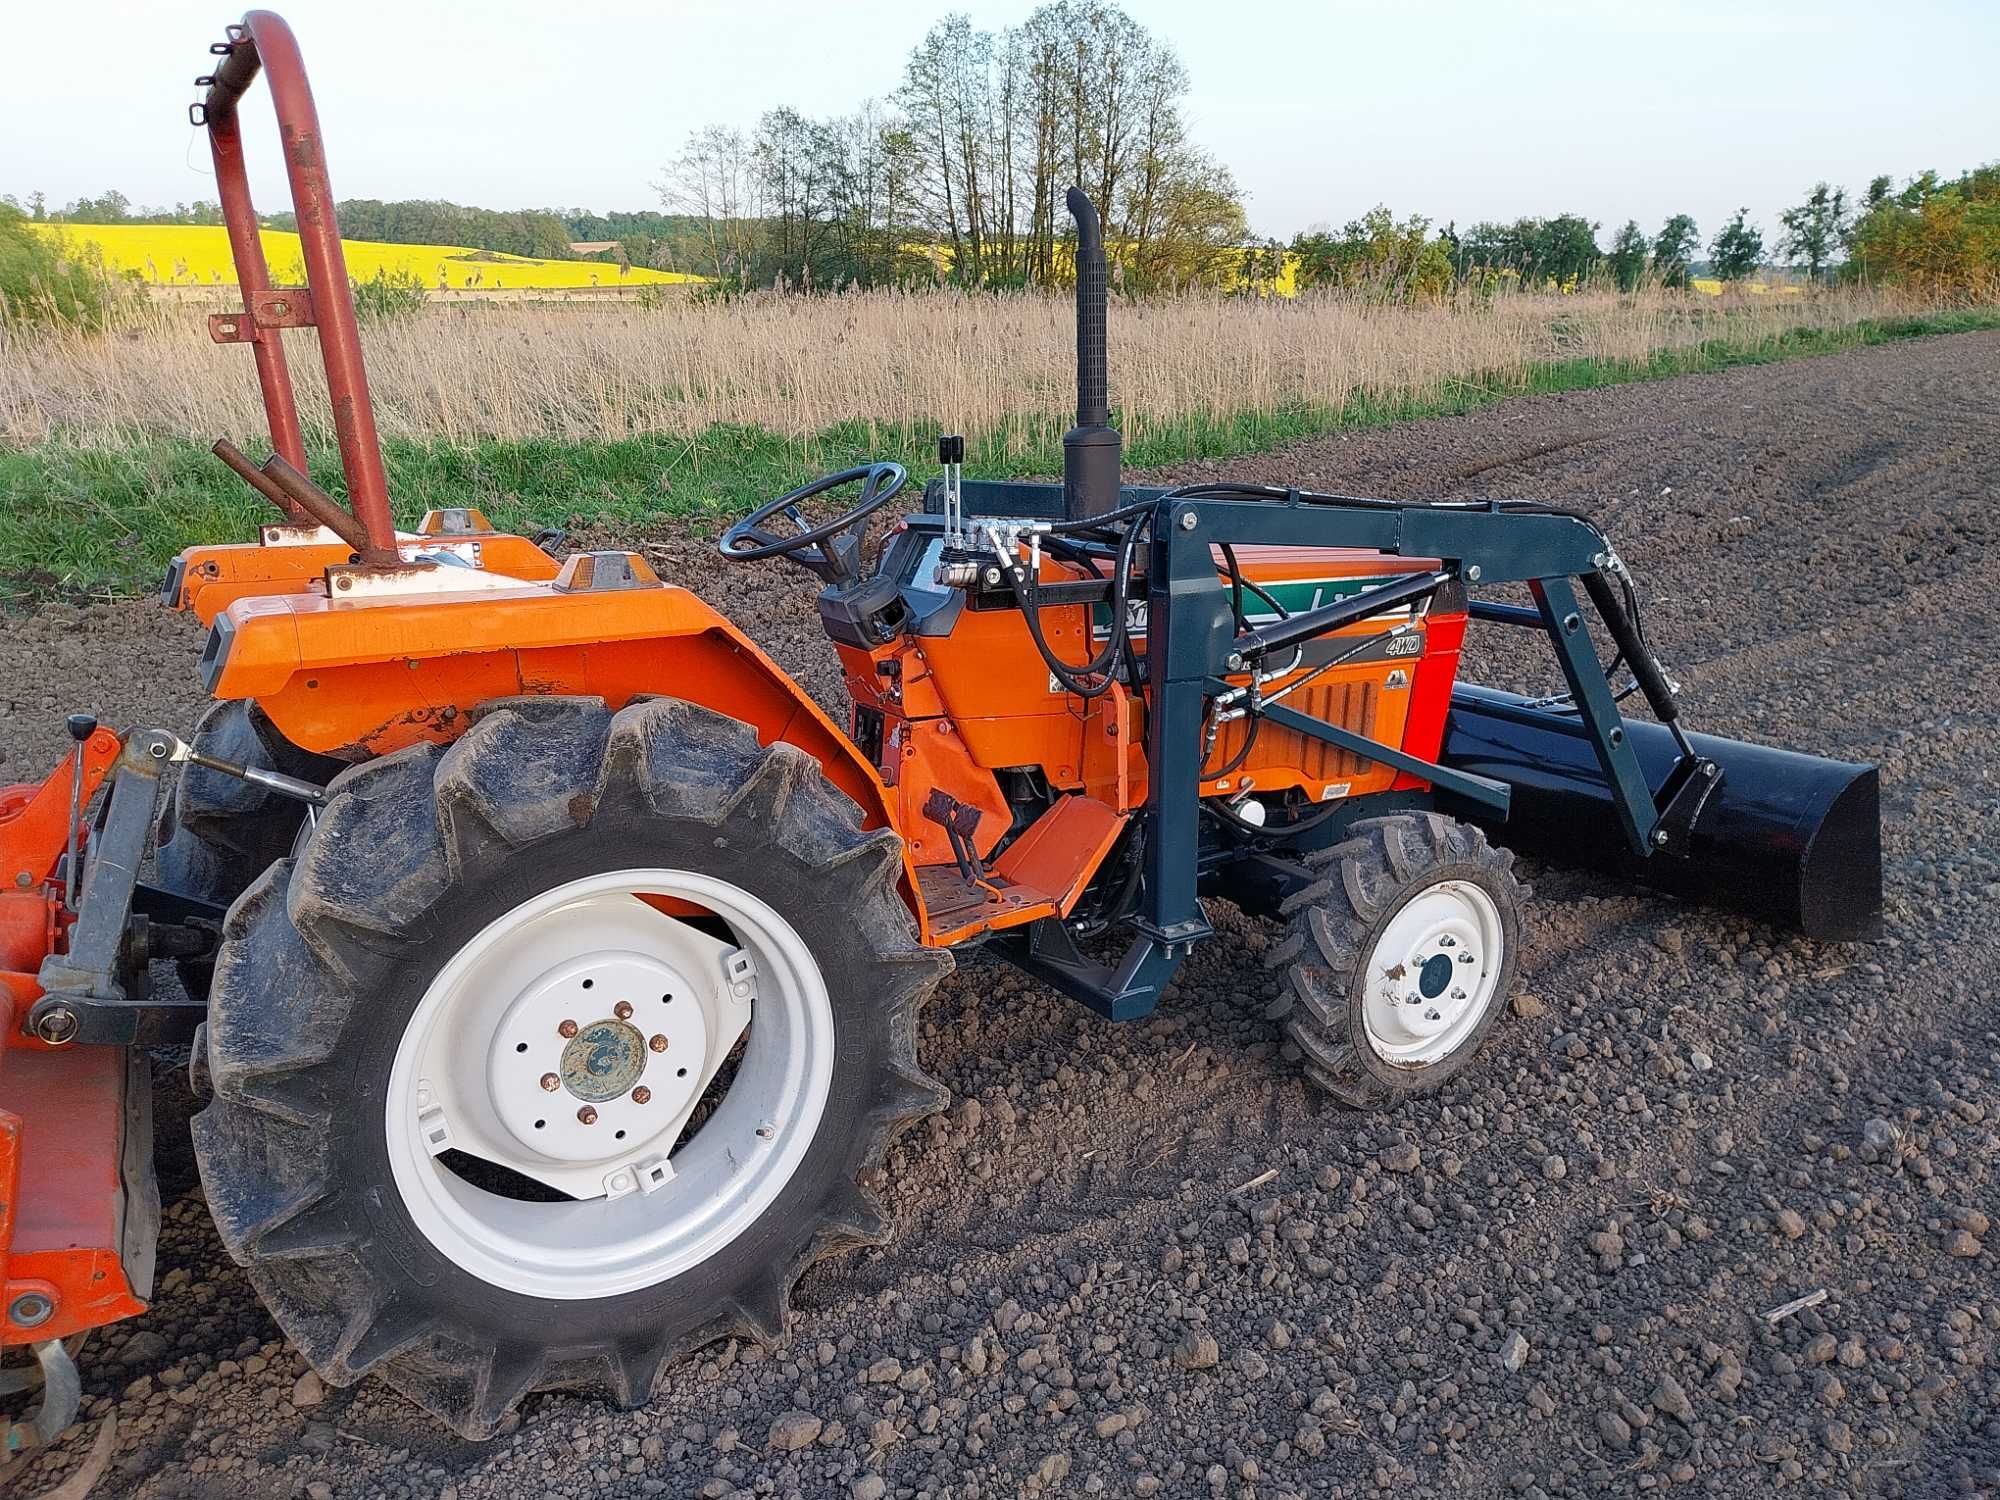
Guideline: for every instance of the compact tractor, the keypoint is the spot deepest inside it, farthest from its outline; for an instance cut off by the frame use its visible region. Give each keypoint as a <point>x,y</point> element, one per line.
<point>550,961</point>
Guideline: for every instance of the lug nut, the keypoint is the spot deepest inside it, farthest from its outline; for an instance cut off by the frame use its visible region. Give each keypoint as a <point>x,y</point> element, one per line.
<point>622,1010</point>
<point>658,1042</point>
<point>551,1082</point>
<point>587,1114</point>
<point>566,1029</point>
<point>642,1095</point>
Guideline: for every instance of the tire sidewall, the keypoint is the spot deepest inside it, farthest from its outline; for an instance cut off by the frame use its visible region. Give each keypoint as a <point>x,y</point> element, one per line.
<point>386,997</point>
<point>1500,888</point>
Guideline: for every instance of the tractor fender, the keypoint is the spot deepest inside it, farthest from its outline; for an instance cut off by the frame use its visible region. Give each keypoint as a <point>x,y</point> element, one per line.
<point>360,678</point>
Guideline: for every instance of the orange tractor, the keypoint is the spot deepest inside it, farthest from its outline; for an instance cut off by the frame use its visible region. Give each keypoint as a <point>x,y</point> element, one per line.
<point>550,961</point>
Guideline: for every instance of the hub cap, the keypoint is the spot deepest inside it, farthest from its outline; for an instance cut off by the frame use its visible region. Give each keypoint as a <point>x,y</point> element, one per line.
<point>1433,974</point>
<point>540,1093</point>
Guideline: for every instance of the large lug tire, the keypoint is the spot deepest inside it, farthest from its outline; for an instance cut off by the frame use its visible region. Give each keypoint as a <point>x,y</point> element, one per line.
<point>334,958</point>
<point>1399,960</point>
<point>218,833</point>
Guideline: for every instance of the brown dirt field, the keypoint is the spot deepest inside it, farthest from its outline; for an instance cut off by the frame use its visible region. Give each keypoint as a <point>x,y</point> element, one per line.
<point>1668,1144</point>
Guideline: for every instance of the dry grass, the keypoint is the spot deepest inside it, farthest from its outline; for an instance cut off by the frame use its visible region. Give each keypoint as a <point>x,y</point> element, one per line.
<point>798,366</point>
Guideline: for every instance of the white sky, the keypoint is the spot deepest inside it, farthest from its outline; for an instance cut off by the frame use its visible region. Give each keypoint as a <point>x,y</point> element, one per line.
<point>1458,109</point>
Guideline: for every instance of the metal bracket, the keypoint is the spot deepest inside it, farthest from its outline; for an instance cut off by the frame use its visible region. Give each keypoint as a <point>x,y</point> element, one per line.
<point>282,307</point>
<point>274,307</point>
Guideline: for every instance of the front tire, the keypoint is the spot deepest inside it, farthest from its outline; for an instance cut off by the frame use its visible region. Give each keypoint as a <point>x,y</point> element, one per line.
<point>1400,958</point>
<point>386,1152</point>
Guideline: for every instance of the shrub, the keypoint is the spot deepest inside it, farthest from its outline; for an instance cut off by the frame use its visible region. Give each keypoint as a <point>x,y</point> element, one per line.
<point>1941,242</point>
<point>48,283</point>
<point>388,295</point>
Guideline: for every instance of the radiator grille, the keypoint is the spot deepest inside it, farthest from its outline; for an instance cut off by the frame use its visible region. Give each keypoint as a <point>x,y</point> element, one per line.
<point>1353,706</point>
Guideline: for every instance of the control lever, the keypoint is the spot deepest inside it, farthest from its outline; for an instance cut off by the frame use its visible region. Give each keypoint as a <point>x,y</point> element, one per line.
<point>81,727</point>
<point>951,453</point>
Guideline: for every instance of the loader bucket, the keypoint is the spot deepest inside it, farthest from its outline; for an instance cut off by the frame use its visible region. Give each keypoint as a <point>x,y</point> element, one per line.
<point>1792,839</point>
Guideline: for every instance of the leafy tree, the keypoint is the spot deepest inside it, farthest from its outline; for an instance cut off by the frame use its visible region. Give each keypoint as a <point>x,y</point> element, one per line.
<point>1673,250</point>
<point>1628,256</point>
<point>1815,229</point>
<point>1736,250</point>
<point>1945,246</point>
<point>1918,189</point>
<point>1880,190</point>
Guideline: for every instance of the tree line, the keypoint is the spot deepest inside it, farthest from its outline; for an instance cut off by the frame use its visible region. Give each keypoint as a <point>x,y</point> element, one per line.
<point>1939,236</point>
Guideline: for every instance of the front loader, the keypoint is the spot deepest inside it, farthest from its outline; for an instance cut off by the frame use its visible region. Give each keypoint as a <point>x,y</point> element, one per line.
<point>550,960</point>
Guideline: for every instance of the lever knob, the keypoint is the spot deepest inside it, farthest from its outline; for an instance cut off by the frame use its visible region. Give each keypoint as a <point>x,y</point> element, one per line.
<point>81,726</point>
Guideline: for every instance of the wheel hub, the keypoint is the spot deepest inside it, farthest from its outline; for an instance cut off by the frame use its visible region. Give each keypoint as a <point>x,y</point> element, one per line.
<point>619,1079</point>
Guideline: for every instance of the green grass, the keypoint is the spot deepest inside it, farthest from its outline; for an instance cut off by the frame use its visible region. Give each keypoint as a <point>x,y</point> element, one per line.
<point>77,521</point>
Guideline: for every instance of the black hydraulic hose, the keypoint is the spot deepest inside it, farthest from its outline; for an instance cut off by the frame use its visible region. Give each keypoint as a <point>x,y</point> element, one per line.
<point>1632,647</point>
<point>1105,664</point>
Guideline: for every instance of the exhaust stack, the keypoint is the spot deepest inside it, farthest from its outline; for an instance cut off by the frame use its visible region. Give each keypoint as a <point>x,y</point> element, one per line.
<point>1091,473</point>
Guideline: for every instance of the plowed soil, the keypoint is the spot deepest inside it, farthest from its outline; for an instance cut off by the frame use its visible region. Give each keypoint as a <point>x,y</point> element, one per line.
<point>1147,1259</point>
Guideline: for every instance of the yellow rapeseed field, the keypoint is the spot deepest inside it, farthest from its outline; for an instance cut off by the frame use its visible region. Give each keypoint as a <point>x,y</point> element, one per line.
<point>198,255</point>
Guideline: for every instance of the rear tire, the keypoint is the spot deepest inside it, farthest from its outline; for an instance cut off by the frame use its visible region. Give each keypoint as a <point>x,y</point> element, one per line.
<point>1400,958</point>
<point>218,833</point>
<point>333,959</point>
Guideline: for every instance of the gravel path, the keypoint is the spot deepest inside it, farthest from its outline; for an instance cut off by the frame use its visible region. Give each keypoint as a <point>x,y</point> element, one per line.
<point>1145,1260</point>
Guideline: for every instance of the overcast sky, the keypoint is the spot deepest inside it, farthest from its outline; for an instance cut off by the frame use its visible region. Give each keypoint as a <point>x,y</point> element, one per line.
<point>1465,111</point>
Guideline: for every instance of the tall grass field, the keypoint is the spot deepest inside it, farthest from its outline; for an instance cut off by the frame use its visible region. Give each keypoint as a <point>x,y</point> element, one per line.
<point>624,412</point>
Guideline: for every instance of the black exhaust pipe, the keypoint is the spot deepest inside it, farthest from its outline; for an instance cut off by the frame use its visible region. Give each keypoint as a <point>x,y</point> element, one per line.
<point>1792,839</point>
<point>1091,473</point>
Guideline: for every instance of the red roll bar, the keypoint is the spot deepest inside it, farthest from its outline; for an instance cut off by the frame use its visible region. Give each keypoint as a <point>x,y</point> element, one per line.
<point>263,41</point>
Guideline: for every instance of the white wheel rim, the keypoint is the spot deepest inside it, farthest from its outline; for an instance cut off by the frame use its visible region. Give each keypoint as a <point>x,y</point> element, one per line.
<point>1433,974</point>
<point>642,1212</point>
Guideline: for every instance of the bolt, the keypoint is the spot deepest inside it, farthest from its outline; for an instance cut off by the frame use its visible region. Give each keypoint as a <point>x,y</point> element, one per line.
<point>1660,839</point>
<point>24,879</point>
<point>56,1026</point>
<point>622,1010</point>
<point>587,1114</point>
<point>30,1310</point>
<point>658,1042</point>
<point>344,582</point>
<point>1188,520</point>
<point>551,1082</point>
<point>1235,661</point>
<point>1472,573</point>
<point>642,1095</point>
<point>566,1029</point>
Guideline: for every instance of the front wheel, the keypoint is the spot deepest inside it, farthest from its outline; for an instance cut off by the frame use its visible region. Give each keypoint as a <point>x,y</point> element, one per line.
<point>560,1052</point>
<point>1400,957</point>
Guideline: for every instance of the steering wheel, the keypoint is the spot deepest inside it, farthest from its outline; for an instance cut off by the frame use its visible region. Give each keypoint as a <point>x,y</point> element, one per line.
<point>815,547</point>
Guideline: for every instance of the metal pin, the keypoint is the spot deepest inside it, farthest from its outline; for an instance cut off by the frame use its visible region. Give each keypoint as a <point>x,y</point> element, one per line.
<point>658,1042</point>
<point>566,1029</point>
<point>642,1095</point>
<point>587,1114</point>
<point>551,1082</point>
<point>622,1010</point>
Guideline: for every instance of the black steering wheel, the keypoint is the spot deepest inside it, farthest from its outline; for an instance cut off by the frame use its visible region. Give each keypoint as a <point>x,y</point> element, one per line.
<point>815,547</point>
